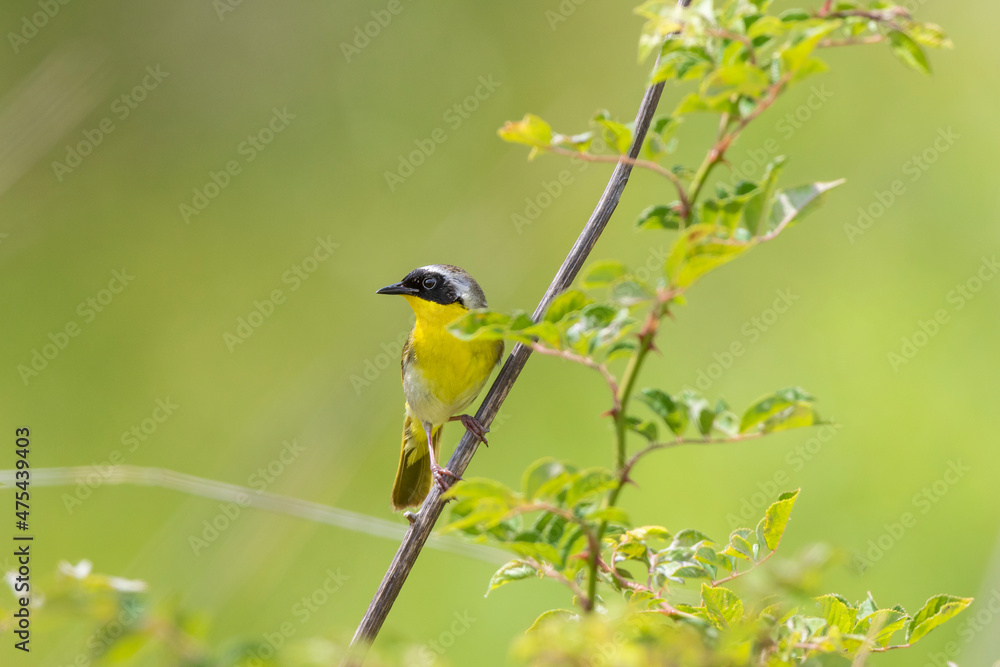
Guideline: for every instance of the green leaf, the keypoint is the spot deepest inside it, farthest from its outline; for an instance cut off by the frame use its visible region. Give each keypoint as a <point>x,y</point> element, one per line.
<point>714,559</point>
<point>909,52</point>
<point>799,415</point>
<point>690,537</point>
<point>555,487</point>
<point>511,571</point>
<point>609,514</point>
<point>889,622</point>
<point>698,251</point>
<point>794,15</point>
<point>726,422</point>
<point>867,606</point>
<point>738,546</point>
<point>629,293</point>
<point>936,611</point>
<point>724,607</point>
<point>645,428</point>
<point>530,130</point>
<point>568,302</point>
<point>758,206</point>
<point>738,79</point>
<point>672,412</point>
<point>811,67</point>
<point>546,332</point>
<point>552,615</point>
<point>591,482</point>
<point>776,518</point>
<point>538,473</point>
<point>541,552</point>
<point>766,26</point>
<point>706,418</point>
<point>929,34</point>
<point>596,326</point>
<point>660,139</point>
<point>837,612</point>
<point>679,570</point>
<point>635,544</point>
<point>480,325</point>
<point>790,205</point>
<point>620,348</point>
<point>724,214</point>
<point>681,63</point>
<point>602,273</point>
<point>663,216</point>
<point>778,405</point>
<point>695,103</point>
<point>617,135</point>
<point>794,57</point>
<point>520,323</point>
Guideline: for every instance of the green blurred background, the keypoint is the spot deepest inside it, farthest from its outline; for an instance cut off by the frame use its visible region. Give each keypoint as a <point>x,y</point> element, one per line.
<point>322,176</point>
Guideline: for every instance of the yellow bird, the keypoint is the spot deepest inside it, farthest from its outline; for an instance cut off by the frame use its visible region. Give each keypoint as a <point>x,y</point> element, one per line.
<point>441,374</point>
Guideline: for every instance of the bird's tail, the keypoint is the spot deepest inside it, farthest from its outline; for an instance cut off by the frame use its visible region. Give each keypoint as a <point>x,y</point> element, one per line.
<point>413,477</point>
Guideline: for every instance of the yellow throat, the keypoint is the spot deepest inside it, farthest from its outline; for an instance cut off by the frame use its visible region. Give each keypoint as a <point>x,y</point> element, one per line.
<point>454,369</point>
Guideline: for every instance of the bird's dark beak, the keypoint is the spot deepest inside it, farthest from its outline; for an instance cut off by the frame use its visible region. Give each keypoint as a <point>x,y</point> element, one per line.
<point>398,288</point>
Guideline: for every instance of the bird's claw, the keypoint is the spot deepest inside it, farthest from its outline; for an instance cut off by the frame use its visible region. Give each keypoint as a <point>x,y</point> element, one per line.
<point>444,477</point>
<point>473,426</point>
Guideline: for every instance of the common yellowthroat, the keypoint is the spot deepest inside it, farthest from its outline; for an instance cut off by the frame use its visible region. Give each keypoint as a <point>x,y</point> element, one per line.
<point>441,374</point>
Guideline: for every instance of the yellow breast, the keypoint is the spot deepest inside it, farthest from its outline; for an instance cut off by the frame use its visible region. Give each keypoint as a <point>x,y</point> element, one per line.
<point>444,374</point>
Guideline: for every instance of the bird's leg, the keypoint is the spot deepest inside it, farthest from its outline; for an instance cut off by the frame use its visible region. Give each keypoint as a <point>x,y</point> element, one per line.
<point>473,426</point>
<point>440,474</point>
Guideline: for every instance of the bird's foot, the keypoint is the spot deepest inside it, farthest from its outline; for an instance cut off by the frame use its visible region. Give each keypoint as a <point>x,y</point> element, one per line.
<point>444,477</point>
<point>473,426</point>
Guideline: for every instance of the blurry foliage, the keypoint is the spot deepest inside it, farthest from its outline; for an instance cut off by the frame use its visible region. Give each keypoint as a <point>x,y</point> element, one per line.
<point>631,585</point>
<point>124,627</point>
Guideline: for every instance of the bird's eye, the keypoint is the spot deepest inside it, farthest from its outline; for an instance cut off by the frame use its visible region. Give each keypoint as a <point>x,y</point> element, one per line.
<point>430,283</point>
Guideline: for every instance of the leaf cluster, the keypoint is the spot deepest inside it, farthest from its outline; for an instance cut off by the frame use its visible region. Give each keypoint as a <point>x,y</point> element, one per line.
<point>632,584</point>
